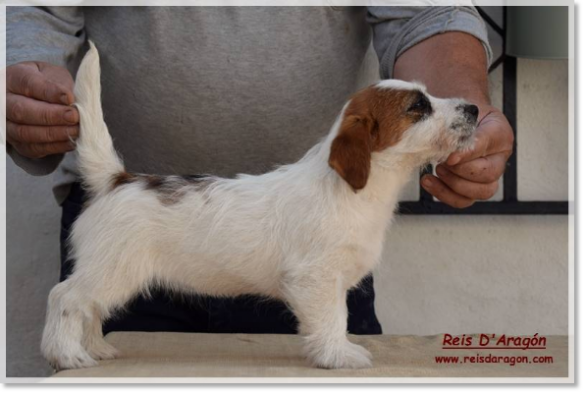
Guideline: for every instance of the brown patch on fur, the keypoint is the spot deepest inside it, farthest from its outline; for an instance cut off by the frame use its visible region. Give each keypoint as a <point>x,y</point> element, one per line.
<point>167,199</point>
<point>170,189</point>
<point>123,178</point>
<point>375,119</point>
<point>351,151</point>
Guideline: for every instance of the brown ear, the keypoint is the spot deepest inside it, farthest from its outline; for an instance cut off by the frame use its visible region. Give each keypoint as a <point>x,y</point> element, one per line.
<point>351,151</point>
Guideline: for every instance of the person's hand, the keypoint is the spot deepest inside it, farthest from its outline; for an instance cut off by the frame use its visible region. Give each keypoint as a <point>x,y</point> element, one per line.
<point>473,175</point>
<point>40,120</point>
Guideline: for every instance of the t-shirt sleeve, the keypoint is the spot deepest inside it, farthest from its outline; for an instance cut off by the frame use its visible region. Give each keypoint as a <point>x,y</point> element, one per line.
<point>397,29</point>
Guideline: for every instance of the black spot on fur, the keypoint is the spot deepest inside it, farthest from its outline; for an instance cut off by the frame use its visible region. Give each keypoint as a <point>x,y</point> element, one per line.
<point>169,188</point>
<point>172,188</point>
<point>154,181</point>
<point>195,178</point>
<point>421,107</point>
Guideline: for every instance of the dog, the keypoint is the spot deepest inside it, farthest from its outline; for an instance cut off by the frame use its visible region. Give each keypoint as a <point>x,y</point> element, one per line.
<point>304,233</point>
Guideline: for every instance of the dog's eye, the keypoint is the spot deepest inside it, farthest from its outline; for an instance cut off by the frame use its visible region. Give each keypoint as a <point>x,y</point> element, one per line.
<point>422,104</point>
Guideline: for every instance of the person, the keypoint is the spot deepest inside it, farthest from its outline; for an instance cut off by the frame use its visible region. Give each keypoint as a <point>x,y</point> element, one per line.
<point>236,90</point>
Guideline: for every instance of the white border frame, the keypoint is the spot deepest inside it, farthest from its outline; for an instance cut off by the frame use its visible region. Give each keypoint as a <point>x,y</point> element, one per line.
<point>571,197</point>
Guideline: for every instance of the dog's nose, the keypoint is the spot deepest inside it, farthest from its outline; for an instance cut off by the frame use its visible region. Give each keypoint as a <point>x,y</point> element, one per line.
<point>471,110</point>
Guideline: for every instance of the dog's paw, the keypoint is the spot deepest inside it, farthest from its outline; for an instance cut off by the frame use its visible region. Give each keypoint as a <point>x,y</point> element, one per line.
<point>103,351</point>
<point>73,360</point>
<point>365,352</point>
<point>346,355</point>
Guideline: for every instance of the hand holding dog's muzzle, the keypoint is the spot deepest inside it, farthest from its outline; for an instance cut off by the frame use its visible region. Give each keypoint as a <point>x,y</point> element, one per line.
<point>473,175</point>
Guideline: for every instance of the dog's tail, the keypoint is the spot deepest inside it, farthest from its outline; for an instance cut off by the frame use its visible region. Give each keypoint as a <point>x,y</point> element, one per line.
<point>98,161</point>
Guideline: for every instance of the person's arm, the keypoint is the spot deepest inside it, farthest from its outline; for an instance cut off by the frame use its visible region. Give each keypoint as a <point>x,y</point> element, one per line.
<point>43,44</point>
<point>453,65</point>
<point>450,56</point>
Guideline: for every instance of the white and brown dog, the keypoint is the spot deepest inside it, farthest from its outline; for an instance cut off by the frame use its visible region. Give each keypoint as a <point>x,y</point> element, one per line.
<point>304,233</point>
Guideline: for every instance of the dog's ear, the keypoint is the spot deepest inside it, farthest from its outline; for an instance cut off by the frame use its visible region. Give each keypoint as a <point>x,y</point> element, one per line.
<point>351,150</point>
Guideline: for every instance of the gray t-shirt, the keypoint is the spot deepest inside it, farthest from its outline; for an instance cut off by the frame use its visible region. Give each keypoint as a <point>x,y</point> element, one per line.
<point>222,90</point>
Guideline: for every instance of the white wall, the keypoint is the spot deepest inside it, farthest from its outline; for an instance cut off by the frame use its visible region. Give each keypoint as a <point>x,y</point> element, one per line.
<point>463,275</point>
<point>495,274</point>
<point>466,274</point>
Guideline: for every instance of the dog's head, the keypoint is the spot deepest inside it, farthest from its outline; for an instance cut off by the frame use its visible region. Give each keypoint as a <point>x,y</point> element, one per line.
<point>398,122</point>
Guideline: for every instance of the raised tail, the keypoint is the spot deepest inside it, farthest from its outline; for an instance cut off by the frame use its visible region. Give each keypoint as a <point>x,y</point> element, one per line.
<point>97,159</point>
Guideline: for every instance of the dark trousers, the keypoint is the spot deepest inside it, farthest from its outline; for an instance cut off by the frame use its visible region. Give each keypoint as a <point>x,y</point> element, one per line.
<point>193,313</point>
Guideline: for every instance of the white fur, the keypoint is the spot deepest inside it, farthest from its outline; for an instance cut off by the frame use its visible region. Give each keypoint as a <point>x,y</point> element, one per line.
<point>298,234</point>
<point>97,158</point>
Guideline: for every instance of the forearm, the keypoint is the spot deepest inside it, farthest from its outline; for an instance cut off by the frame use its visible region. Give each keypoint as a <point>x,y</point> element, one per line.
<point>455,65</point>
<point>452,64</point>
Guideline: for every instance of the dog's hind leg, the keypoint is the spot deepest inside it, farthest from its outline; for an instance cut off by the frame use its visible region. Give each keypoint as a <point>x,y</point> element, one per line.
<point>93,338</point>
<point>62,337</point>
<point>319,302</point>
<point>72,337</point>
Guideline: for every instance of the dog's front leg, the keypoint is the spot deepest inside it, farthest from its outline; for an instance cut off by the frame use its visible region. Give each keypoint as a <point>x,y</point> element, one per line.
<point>319,302</point>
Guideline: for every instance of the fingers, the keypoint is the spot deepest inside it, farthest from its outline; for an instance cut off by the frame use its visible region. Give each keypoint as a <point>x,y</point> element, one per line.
<point>457,191</point>
<point>443,193</point>
<point>482,170</point>
<point>38,151</point>
<point>465,188</point>
<point>40,120</point>
<point>473,175</point>
<point>493,135</point>
<point>25,110</point>
<point>480,149</point>
<point>17,133</point>
<point>27,80</point>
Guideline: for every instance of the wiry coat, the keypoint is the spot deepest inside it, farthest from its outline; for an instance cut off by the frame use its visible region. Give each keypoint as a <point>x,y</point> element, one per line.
<point>304,233</point>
